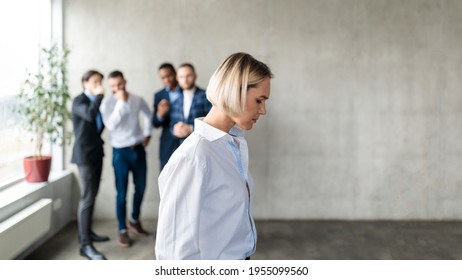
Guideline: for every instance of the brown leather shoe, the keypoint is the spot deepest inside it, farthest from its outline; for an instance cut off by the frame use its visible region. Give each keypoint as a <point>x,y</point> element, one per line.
<point>124,240</point>
<point>137,229</point>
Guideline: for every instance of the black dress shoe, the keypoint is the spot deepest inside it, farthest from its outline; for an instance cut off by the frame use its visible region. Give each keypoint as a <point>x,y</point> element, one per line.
<point>98,238</point>
<point>91,253</point>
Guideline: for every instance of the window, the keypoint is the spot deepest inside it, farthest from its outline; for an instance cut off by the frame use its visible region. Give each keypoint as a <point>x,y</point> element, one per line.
<point>25,25</point>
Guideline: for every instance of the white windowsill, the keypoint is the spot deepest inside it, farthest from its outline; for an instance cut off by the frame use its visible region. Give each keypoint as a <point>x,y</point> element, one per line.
<point>10,182</point>
<point>19,190</point>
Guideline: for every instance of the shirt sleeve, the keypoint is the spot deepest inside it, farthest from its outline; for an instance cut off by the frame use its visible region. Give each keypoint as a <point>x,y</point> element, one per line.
<point>159,118</point>
<point>85,111</point>
<point>147,124</point>
<point>113,115</point>
<point>181,186</point>
<point>156,120</point>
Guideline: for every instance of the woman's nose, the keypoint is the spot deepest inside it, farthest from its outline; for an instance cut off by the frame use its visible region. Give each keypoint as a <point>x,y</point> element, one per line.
<point>263,109</point>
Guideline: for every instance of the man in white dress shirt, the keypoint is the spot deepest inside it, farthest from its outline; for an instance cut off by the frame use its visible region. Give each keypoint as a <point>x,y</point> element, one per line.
<point>120,113</point>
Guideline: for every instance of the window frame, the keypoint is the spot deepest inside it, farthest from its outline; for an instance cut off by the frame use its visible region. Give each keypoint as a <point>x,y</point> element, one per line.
<point>51,26</point>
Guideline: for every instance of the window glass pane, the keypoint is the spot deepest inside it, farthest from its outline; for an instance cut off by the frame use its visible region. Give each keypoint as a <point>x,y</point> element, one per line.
<point>23,24</point>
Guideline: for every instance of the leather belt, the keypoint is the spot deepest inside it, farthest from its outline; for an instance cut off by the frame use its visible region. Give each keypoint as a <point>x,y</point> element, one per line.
<point>136,146</point>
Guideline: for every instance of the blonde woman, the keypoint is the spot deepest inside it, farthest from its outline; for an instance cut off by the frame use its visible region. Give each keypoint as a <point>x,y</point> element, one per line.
<point>206,189</point>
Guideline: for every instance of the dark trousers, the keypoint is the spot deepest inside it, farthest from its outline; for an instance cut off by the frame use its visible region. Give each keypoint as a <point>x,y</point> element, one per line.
<point>125,160</point>
<point>90,176</point>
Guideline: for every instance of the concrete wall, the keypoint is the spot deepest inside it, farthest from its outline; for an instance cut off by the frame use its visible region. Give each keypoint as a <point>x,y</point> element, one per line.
<point>366,103</point>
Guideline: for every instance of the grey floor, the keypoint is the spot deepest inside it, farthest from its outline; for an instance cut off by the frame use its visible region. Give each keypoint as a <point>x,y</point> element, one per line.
<point>304,240</point>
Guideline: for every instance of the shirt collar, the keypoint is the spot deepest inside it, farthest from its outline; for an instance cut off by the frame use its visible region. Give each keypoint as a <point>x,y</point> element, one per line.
<point>237,132</point>
<point>212,133</point>
<point>177,89</point>
<point>182,90</point>
<point>89,95</point>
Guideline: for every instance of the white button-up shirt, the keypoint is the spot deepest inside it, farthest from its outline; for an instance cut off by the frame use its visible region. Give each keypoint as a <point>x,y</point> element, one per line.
<point>122,120</point>
<point>206,194</point>
<point>188,96</point>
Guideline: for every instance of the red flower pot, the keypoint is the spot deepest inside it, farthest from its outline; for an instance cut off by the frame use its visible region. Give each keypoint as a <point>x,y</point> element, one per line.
<point>37,168</point>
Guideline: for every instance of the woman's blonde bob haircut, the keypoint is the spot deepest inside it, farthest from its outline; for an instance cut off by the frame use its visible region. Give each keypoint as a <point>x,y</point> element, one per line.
<point>228,86</point>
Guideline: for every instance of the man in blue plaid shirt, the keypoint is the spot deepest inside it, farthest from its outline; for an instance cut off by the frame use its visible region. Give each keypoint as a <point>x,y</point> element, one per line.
<point>191,104</point>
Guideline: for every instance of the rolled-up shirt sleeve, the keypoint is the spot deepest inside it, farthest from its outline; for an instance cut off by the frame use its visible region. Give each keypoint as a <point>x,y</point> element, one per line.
<point>114,113</point>
<point>147,116</point>
<point>181,197</point>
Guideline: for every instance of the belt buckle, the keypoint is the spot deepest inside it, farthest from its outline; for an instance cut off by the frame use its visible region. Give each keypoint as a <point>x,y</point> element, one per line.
<point>134,146</point>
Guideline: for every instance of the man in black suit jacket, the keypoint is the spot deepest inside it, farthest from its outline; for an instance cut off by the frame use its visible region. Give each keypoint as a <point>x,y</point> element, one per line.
<point>161,116</point>
<point>88,154</point>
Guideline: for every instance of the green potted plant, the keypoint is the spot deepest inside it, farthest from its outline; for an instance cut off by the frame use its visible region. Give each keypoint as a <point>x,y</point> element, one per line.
<point>42,106</point>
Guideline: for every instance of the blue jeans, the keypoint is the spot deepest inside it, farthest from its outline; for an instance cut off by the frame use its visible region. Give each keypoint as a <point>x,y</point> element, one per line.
<point>125,160</point>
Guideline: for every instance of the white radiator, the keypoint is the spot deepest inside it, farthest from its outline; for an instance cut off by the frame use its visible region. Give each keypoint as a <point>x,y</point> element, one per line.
<point>21,230</point>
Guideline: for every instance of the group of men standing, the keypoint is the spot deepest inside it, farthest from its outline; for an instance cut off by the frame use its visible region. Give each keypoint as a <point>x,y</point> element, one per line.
<point>175,108</point>
<point>189,102</point>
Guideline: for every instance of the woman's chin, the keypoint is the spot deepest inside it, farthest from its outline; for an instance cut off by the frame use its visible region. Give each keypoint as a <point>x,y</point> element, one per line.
<point>247,126</point>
